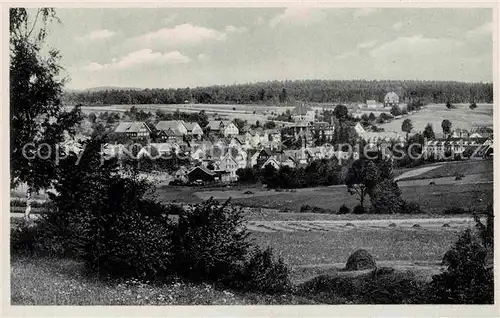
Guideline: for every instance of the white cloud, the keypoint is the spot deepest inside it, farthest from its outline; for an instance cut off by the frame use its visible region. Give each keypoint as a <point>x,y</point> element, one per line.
<point>363,12</point>
<point>415,46</point>
<point>93,67</point>
<point>298,16</point>
<point>97,35</point>
<point>367,44</point>
<point>483,30</point>
<point>140,57</point>
<point>233,29</point>
<point>183,34</point>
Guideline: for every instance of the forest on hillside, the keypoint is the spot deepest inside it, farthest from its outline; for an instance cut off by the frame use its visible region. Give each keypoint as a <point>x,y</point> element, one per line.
<point>289,92</point>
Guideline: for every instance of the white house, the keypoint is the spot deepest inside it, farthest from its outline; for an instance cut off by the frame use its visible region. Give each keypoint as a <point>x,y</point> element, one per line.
<point>229,164</point>
<point>371,103</point>
<point>230,129</point>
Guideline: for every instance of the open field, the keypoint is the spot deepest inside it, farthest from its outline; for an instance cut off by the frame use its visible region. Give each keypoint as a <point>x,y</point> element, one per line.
<point>483,168</point>
<point>432,199</point>
<point>245,112</point>
<point>460,117</point>
<point>331,249</point>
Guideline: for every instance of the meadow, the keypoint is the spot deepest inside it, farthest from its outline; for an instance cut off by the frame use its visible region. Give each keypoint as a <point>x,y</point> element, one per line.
<point>460,117</point>
<point>431,198</point>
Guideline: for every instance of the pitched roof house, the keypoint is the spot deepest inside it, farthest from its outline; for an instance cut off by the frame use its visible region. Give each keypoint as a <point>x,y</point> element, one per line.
<point>178,127</point>
<point>391,99</point>
<point>133,129</point>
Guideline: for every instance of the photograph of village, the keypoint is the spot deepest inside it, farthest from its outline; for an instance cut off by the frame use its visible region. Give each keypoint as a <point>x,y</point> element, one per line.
<point>251,156</point>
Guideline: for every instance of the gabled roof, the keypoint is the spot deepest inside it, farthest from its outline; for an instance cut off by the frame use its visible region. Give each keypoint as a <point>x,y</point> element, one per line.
<point>240,139</point>
<point>230,157</point>
<point>169,124</point>
<point>204,169</point>
<point>391,96</point>
<point>190,126</point>
<point>215,124</point>
<point>267,151</point>
<point>130,127</point>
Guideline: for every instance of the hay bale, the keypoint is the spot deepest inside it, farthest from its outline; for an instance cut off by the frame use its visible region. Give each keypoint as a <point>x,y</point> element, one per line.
<point>360,260</point>
<point>350,224</point>
<point>446,225</point>
<point>416,225</point>
<point>392,225</point>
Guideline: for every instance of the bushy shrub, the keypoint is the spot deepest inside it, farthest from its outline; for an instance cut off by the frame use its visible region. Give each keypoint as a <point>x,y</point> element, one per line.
<point>24,239</point>
<point>104,219</point>
<point>359,209</point>
<point>467,280</point>
<point>411,208</point>
<point>486,231</point>
<point>263,273</point>
<point>313,209</point>
<point>456,210</point>
<point>344,209</point>
<point>210,242</point>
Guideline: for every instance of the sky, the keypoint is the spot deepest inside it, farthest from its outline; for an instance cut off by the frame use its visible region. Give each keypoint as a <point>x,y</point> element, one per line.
<point>189,47</point>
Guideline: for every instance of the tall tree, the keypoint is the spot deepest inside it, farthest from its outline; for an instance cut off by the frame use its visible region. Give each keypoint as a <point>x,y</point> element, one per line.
<point>361,178</point>
<point>38,121</point>
<point>407,126</point>
<point>341,112</point>
<point>446,125</point>
<point>429,132</point>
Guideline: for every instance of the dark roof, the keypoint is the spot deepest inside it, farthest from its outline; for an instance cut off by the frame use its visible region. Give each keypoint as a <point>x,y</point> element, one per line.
<point>204,169</point>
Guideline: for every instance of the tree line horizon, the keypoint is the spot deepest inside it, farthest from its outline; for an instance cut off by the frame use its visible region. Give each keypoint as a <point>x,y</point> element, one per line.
<point>290,92</point>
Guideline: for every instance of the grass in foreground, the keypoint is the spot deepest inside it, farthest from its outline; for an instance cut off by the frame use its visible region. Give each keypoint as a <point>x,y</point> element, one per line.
<point>46,281</point>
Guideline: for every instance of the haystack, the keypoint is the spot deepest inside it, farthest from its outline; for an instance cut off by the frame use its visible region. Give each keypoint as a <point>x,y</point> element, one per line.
<point>360,260</point>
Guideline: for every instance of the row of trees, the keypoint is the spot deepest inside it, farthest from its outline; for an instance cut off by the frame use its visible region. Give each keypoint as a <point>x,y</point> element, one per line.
<point>322,172</point>
<point>279,92</point>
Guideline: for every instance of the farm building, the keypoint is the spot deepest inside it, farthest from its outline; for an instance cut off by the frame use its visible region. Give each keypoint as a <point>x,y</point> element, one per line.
<point>391,99</point>
<point>133,129</point>
<point>201,173</point>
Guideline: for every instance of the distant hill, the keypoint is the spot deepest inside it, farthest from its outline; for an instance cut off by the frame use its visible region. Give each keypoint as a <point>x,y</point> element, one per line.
<point>286,92</point>
<point>103,88</point>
